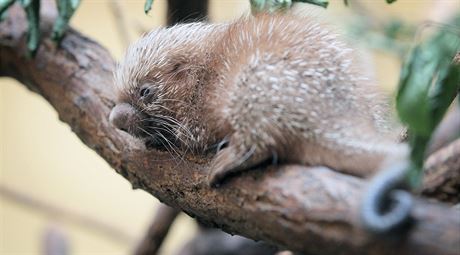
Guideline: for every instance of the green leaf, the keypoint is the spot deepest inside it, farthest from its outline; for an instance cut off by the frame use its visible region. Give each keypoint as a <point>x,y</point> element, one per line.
<point>66,8</point>
<point>74,4</point>
<point>430,81</point>
<point>412,97</point>
<point>32,9</point>
<point>445,91</point>
<point>423,95</point>
<point>4,4</point>
<point>322,3</point>
<point>414,176</point>
<point>269,6</point>
<point>3,15</point>
<point>447,83</point>
<point>25,2</point>
<point>418,145</point>
<point>388,1</point>
<point>148,6</point>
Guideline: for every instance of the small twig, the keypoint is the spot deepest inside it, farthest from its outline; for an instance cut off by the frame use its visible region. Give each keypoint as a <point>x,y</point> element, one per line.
<point>157,231</point>
<point>65,214</point>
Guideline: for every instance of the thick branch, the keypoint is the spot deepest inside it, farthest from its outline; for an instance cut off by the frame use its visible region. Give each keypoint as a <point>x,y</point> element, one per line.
<point>311,210</point>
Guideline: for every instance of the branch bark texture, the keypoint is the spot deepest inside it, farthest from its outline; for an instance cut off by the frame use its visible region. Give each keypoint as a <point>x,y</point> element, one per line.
<point>310,210</point>
<point>442,174</point>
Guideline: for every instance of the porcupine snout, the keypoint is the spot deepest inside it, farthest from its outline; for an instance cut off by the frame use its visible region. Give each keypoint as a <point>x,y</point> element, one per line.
<point>124,117</point>
<point>127,118</point>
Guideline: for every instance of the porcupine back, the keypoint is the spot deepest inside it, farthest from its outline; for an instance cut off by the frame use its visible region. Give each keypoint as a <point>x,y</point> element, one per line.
<point>291,86</point>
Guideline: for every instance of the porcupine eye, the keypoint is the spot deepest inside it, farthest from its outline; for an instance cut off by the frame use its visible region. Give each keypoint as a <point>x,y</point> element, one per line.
<point>145,92</point>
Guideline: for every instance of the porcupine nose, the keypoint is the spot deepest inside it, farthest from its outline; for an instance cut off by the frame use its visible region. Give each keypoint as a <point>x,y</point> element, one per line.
<point>122,115</point>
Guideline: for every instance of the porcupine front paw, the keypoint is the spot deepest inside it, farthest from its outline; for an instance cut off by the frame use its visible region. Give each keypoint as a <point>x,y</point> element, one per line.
<point>230,160</point>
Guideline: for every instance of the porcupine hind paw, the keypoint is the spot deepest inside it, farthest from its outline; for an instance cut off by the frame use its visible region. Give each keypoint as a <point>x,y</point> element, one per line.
<point>230,160</point>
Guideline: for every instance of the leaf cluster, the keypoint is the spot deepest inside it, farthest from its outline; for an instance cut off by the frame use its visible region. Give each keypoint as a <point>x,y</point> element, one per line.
<point>429,82</point>
<point>66,9</point>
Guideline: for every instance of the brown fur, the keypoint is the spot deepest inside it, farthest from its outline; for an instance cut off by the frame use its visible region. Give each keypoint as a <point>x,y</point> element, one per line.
<point>269,86</point>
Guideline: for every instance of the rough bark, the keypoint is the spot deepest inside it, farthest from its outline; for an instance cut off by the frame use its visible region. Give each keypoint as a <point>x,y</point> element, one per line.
<point>442,174</point>
<point>310,210</point>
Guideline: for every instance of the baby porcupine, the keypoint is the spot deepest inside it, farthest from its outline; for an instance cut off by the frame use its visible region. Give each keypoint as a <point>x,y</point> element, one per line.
<point>270,86</point>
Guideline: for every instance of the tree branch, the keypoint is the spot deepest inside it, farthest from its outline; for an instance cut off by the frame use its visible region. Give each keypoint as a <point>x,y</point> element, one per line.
<point>442,174</point>
<point>310,210</point>
<point>157,231</point>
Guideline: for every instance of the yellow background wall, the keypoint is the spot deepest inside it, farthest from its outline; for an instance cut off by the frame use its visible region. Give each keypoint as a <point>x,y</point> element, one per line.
<point>40,156</point>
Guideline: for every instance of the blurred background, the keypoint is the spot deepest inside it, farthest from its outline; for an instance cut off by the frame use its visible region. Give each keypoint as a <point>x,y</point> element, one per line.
<point>50,182</point>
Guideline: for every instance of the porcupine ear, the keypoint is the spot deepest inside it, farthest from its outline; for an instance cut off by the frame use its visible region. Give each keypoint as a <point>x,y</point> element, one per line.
<point>185,68</point>
<point>179,67</point>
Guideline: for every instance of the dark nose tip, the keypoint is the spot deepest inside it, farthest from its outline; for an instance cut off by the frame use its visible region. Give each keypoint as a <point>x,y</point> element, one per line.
<point>121,116</point>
